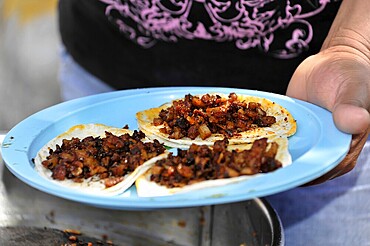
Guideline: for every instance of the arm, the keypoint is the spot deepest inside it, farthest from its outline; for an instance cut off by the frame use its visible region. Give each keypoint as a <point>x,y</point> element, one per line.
<point>338,78</point>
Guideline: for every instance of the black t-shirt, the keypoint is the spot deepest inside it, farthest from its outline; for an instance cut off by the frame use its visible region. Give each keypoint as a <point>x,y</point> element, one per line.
<point>254,44</point>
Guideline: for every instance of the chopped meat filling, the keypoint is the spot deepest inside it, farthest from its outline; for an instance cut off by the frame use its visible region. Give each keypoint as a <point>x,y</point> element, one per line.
<point>200,163</point>
<point>202,116</point>
<point>109,158</point>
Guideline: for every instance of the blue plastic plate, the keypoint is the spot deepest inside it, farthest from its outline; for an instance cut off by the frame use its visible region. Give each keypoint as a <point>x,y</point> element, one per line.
<point>317,147</point>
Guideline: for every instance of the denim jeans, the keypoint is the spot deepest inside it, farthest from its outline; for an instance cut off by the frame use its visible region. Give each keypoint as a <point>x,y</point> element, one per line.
<point>333,213</point>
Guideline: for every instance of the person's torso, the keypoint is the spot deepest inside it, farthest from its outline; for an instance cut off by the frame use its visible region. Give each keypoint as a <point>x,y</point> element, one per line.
<point>254,44</point>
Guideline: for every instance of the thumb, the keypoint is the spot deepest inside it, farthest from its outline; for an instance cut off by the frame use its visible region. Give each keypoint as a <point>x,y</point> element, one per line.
<point>351,107</point>
<point>340,85</point>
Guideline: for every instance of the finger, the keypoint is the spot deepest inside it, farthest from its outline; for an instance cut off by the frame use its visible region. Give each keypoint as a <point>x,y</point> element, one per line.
<point>352,104</point>
<point>351,118</point>
<point>358,142</point>
<point>329,175</point>
<point>317,181</point>
<point>341,87</point>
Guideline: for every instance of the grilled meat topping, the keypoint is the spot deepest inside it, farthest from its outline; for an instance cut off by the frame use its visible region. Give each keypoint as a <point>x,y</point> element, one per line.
<point>201,162</point>
<point>203,116</point>
<point>109,158</point>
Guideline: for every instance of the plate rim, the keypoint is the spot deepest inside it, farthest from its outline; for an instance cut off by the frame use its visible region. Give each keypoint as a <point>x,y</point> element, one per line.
<point>180,200</point>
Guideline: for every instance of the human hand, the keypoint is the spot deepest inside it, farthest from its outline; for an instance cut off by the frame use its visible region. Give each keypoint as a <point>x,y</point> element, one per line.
<point>338,79</point>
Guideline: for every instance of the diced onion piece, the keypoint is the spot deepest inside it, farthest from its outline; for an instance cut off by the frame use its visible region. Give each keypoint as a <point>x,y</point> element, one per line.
<point>204,131</point>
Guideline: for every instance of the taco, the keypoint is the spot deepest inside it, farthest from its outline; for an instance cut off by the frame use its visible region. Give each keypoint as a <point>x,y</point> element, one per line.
<point>203,166</point>
<point>203,119</point>
<point>96,158</point>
